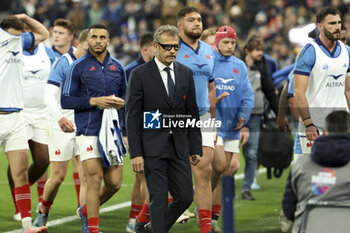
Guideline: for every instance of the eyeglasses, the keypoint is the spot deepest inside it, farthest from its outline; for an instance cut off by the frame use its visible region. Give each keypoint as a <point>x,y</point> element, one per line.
<point>168,47</point>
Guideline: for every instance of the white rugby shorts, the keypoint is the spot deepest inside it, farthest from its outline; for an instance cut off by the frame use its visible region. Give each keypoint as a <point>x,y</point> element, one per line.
<point>208,134</point>
<point>62,146</point>
<point>37,127</point>
<point>12,132</point>
<point>228,144</point>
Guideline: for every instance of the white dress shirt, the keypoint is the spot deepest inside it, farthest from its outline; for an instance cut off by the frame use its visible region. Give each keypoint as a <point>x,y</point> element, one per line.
<point>164,74</point>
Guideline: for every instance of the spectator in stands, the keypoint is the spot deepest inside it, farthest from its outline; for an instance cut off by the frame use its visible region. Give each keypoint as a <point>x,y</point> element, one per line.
<point>113,17</point>
<point>94,12</point>
<point>77,15</point>
<point>169,10</point>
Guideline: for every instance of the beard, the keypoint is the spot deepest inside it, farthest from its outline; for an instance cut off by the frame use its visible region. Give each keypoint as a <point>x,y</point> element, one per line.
<point>330,36</point>
<point>98,51</point>
<point>193,35</point>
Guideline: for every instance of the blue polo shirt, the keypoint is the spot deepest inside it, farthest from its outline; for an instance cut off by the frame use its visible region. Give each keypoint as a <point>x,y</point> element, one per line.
<point>87,78</point>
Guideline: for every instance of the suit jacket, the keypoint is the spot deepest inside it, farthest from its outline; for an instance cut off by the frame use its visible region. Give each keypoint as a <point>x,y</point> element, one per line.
<point>146,92</point>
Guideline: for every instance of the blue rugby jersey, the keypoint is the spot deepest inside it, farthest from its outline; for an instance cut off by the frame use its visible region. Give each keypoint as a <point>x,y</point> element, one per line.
<point>201,62</point>
<point>58,54</point>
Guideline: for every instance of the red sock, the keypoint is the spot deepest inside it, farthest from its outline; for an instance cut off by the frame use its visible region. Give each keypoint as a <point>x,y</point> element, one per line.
<point>205,220</point>
<point>170,200</point>
<point>134,210</point>
<point>84,211</point>
<point>14,199</point>
<point>93,225</point>
<point>77,184</point>
<point>40,188</point>
<point>22,195</point>
<point>46,204</point>
<point>215,211</point>
<point>144,214</point>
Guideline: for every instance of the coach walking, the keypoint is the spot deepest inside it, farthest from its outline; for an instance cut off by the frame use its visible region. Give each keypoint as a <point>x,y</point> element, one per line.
<point>160,90</point>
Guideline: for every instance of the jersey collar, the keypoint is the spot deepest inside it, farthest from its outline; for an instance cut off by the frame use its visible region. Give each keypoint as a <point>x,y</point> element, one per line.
<point>184,43</point>
<point>55,50</point>
<point>319,42</point>
<point>140,59</point>
<point>105,61</point>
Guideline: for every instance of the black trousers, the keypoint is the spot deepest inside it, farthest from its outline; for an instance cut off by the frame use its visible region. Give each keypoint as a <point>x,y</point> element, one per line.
<point>172,173</point>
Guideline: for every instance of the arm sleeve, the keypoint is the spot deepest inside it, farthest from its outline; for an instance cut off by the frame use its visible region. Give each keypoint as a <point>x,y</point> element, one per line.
<point>211,79</point>
<point>281,74</point>
<point>268,88</point>
<point>51,54</point>
<point>122,93</point>
<point>348,48</point>
<point>70,87</point>
<point>123,84</point>
<point>291,84</point>
<point>194,134</point>
<point>58,72</point>
<point>289,201</point>
<point>247,99</point>
<point>305,60</point>
<point>133,114</point>
<point>28,40</point>
<point>51,93</point>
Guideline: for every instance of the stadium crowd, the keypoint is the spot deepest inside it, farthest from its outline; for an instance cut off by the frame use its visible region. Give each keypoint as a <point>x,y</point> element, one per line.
<point>89,78</point>
<point>128,20</point>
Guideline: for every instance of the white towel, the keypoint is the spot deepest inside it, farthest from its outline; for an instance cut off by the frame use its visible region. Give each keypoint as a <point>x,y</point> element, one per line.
<point>110,139</point>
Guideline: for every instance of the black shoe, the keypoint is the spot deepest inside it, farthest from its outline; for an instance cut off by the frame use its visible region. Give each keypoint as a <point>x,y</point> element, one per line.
<point>247,195</point>
<point>140,227</point>
<point>147,228</point>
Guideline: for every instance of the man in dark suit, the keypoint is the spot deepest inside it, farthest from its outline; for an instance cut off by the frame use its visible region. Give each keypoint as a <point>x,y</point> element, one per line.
<point>164,89</point>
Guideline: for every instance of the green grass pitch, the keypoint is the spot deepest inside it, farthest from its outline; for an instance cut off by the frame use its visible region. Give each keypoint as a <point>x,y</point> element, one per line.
<point>260,216</point>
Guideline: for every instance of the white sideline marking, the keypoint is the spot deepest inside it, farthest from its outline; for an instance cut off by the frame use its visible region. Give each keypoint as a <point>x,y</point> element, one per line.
<point>109,208</point>
<point>74,217</point>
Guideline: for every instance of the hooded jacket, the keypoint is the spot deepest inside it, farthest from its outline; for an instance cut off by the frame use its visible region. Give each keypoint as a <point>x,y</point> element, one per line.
<point>230,75</point>
<point>321,176</point>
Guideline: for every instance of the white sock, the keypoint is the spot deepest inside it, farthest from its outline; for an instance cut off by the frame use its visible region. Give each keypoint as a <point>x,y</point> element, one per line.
<point>26,223</point>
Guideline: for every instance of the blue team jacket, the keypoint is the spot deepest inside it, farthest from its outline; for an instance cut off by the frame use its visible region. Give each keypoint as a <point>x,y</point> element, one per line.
<point>87,78</point>
<point>230,75</point>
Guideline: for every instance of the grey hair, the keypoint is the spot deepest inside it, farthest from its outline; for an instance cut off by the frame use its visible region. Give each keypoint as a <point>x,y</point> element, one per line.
<point>168,29</point>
